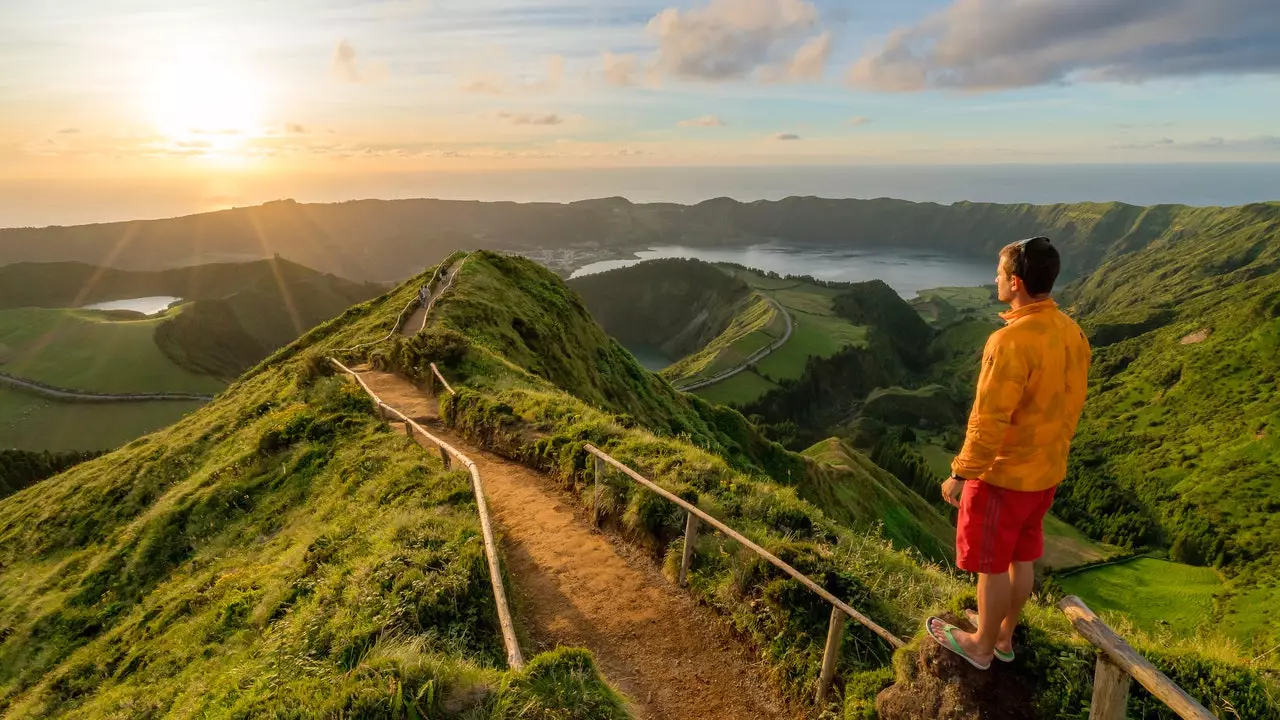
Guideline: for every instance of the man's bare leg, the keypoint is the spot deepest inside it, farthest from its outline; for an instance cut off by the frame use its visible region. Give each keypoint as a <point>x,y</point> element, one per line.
<point>995,595</point>
<point>1022,577</point>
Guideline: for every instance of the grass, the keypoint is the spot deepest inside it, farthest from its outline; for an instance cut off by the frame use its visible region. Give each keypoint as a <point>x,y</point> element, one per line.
<point>88,350</point>
<point>31,422</point>
<point>817,331</point>
<point>754,326</point>
<point>1155,595</point>
<point>1065,546</point>
<point>938,457</point>
<point>280,553</point>
<point>737,390</point>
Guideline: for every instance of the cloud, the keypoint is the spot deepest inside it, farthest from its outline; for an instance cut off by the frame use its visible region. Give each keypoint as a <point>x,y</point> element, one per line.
<point>494,84</point>
<point>482,87</point>
<point>620,70</point>
<point>982,45</point>
<point>857,120</point>
<point>704,121</point>
<point>735,39</point>
<point>1252,145</point>
<point>785,136</point>
<point>346,68</point>
<point>69,131</point>
<point>810,61</point>
<point>530,118</point>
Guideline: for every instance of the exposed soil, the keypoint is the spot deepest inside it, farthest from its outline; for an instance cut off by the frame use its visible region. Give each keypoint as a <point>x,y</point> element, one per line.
<point>574,586</point>
<point>1198,336</point>
<point>941,686</point>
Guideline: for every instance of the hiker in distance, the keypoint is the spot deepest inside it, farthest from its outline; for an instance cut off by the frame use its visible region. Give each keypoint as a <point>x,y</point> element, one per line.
<point>1031,389</point>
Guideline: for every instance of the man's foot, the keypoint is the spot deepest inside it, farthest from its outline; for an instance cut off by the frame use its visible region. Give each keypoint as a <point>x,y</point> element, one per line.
<point>1004,645</point>
<point>959,642</point>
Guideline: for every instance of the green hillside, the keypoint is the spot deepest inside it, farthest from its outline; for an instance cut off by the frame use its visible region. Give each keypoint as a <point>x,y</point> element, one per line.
<point>536,379</point>
<point>279,553</point>
<point>90,350</point>
<point>858,488</point>
<point>29,421</point>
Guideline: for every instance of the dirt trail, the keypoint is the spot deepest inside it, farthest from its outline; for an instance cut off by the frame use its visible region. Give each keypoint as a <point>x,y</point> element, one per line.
<point>674,659</point>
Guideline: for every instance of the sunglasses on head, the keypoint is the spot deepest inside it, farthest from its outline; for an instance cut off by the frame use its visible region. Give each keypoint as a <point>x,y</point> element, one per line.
<point>1020,263</point>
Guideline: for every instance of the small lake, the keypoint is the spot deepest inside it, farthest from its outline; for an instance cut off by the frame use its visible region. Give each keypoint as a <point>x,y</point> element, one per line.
<point>145,305</point>
<point>907,272</point>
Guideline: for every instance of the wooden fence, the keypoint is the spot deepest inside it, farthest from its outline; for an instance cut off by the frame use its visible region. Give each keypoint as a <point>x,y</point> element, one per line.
<point>840,610</point>
<point>447,453</point>
<point>1118,664</point>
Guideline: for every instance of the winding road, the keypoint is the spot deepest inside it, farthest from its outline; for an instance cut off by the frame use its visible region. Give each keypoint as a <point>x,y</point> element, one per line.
<point>752,359</point>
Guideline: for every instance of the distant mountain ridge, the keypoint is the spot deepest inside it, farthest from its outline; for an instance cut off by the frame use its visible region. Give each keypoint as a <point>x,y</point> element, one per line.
<point>387,239</point>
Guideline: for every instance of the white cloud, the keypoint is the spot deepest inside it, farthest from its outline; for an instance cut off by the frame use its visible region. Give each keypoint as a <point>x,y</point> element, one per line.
<point>810,61</point>
<point>858,120</point>
<point>736,39</point>
<point>346,68</point>
<point>704,121</point>
<point>620,70</point>
<point>995,44</point>
<point>530,118</point>
<point>785,136</point>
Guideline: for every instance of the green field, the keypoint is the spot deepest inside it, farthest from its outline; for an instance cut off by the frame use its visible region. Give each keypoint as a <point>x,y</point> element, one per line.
<point>945,305</point>
<point>1155,595</point>
<point>745,384</point>
<point>87,350</point>
<point>31,422</point>
<point>816,332</point>
<point>751,330</point>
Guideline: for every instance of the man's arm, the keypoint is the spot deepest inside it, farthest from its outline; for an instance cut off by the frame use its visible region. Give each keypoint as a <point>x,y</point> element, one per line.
<point>1000,384</point>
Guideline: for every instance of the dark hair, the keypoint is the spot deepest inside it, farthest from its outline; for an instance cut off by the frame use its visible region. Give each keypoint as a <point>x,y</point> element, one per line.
<point>1034,260</point>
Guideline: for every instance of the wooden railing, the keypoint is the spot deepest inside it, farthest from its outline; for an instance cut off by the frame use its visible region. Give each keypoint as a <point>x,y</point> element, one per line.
<point>1118,664</point>
<point>447,452</point>
<point>840,610</point>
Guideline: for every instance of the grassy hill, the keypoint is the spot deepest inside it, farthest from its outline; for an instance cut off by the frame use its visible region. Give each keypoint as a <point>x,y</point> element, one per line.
<point>702,318</point>
<point>280,552</point>
<point>90,350</point>
<point>537,379</point>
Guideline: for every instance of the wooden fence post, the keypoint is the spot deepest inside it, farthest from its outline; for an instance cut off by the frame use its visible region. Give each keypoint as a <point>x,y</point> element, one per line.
<point>595,497</point>
<point>444,458</point>
<point>690,539</point>
<point>408,428</point>
<point>835,634</point>
<point>1110,691</point>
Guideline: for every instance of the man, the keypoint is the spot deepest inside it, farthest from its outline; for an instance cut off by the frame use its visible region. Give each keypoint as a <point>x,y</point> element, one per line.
<point>1031,390</point>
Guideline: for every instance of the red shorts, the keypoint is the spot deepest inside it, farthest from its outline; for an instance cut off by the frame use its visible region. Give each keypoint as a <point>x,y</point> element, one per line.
<point>998,526</point>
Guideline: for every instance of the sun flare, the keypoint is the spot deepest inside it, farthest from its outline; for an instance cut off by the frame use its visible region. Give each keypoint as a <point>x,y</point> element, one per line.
<point>200,102</point>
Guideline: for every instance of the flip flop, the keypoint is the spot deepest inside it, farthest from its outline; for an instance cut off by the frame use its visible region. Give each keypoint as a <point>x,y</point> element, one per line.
<point>951,644</point>
<point>1002,656</point>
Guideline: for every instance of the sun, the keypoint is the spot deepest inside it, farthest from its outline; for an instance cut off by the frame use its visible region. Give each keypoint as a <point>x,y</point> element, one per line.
<point>200,101</point>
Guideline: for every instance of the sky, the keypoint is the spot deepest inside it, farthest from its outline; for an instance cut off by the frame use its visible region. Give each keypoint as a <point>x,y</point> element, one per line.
<point>167,91</point>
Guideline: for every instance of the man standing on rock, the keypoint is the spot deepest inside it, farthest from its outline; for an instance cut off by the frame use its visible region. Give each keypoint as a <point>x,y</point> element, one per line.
<point>1031,390</point>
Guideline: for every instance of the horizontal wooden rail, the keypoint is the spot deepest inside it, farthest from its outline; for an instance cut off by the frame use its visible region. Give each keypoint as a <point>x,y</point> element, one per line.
<point>1118,664</point>
<point>514,658</point>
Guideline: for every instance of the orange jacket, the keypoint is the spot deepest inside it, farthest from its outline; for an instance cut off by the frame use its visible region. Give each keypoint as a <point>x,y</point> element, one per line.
<point>1030,393</point>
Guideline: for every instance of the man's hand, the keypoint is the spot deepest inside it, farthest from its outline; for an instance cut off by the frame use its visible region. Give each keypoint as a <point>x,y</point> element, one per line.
<point>951,489</point>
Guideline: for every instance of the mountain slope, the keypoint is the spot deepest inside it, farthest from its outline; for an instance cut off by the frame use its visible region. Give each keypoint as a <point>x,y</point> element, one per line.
<point>280,552</point>
<point>395,235</point>
<point>712,456</point>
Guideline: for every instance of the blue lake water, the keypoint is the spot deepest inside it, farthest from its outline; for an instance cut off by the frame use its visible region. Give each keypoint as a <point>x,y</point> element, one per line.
<point>907,273</point>
<point>145,305</point>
